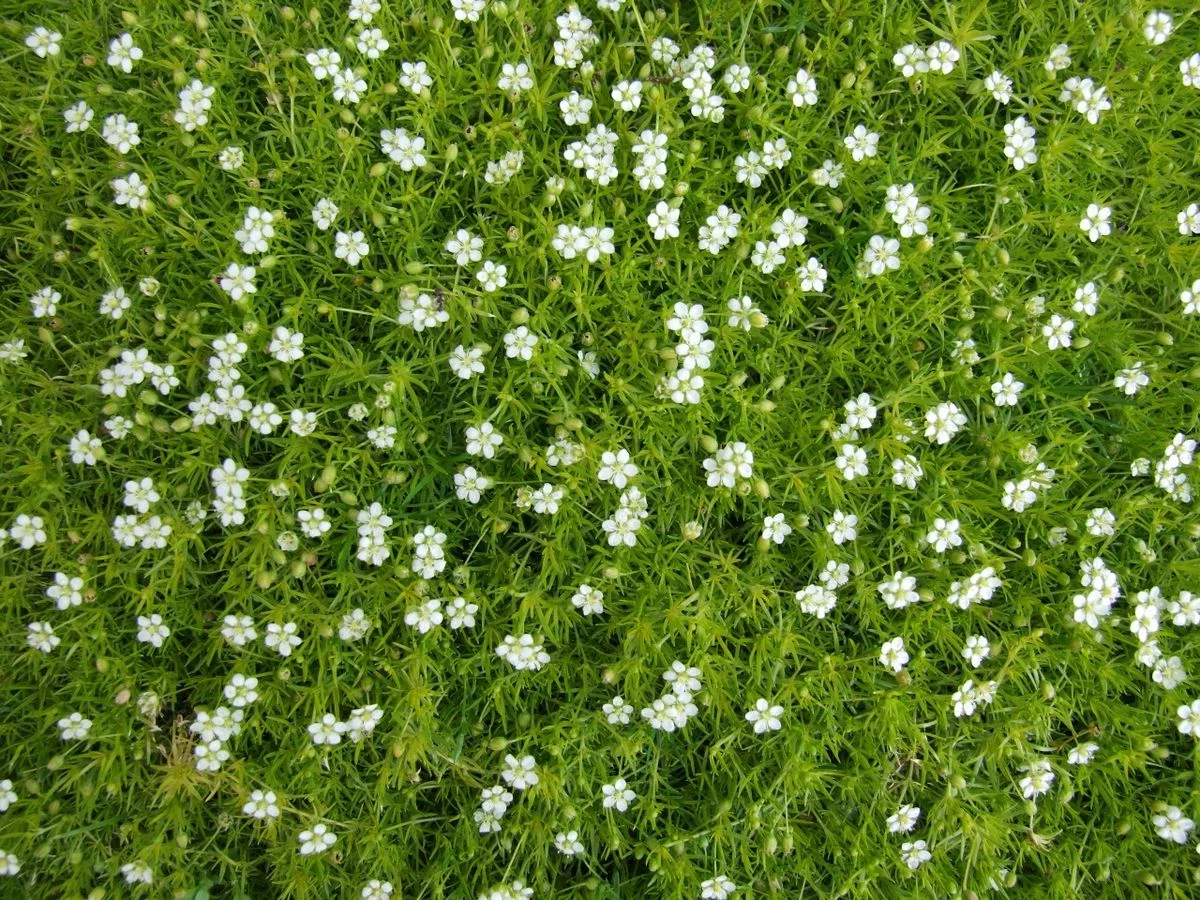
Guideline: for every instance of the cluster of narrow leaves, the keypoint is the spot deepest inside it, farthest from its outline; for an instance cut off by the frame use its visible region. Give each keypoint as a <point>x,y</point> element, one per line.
<point>509,449</point>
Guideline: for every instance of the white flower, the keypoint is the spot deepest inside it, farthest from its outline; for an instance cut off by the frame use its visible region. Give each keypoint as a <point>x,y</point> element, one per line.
<point>664,221</point>
<point>347,87</point>
<point>765,717</point>
<point>944,535</point>
<point>74,727</point>
<point>617,795</point>
<point>812,275</point>
<point>468,10</point>
<point>363,10</point>
<point>575,108</point>
<point>941,57</point>
<point>231,159</point>
<point>78,117</point>
<point>283,638</point>
<point>842,527</point>
<point>323,213</point>
<point>1091,100</point>
<point>1038,780</point>
<point>425,617</point>
<point>462,613</point>
<point>1058,59</point>
<point>317,839</point>
<point>893,655</point>
<point>904,819</point>
<point>515,78</point>
<point>943,422</point>
<point>1082,754</point>
<point>43,41</point>
<point>618,712</point>
<point>1189,69</point>
<point>238,281</point>
<point>372,44</point>
<point>1058,332</point>
<point>350,246</point>
<point>627,95</point>
<point>261,805</point>
<point>415,77</point>
<point>137,873</point>
<point>719,229</point>
<point>910,60</point>
<point>130,191</point>
<point>286,345</point>
<point>406,150</point>
<point>483,439</point>
<point>976,650</point>
<point>1189,719</point>
<point>1095,222</point>
<point>899,591</point>
<point>851,461</point>
<point>519,343</point>
<point>523,653</point>
<point>1172,825</point>
<point>84,448</point>
<point>324,62</point>
<point>7,795</point>
<point>719,888</point>
<point>1007,391</point>
<point>123,53</point>
<point>861,143</point>
<point>519,772</point>
<point>469,485</point>
<point>238,630</point>
<point>567,843</point>
<point>588,600</point>
<point>915,853</point>
<point>1131,379</point>
<point>492,276</point>
<point>1157,27</point>
<point>1019,143</point>
<point>151,630</point>
<point>731,464</point>
<point>1000,86</point>
<point>802,88</point>
<point>41,636</point>
<point>775,528</point>
<point>467,363</point>
<point>881,255</point>
<point>616,468</point>
<point>120,133</point>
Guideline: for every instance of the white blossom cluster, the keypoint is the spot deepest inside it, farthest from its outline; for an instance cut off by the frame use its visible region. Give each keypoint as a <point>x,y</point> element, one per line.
<point>372,524</point>
<point>694,353</point>
<point>730,466</point>
<point>258,227</point>
<point>429,555</point>
<point>502,170</point>
<point>589,242</point>
<point>195,101</point>
<point>1021,493</point>
<point>595,155</point>
<point>939,58</point>
<point>677,705</point>
<point>575,38</point>
<point>1104,590</point>
<point>328,730</point>
<point>523,653</point>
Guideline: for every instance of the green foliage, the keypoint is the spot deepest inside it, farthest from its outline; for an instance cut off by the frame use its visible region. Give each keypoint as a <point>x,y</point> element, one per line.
<point>797,812</point>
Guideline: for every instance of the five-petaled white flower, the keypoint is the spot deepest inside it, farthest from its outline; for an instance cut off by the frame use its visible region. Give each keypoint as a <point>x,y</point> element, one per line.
<point>764,716</point>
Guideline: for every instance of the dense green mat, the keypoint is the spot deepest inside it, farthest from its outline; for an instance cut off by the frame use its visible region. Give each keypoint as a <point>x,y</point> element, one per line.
<point>454,448</point>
